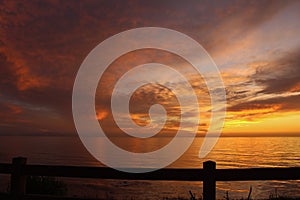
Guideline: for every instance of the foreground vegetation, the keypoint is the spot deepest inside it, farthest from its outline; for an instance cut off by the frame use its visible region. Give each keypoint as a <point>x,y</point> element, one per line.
<point>272,196</point>
<point>45,185</point>
<point>51,186</point>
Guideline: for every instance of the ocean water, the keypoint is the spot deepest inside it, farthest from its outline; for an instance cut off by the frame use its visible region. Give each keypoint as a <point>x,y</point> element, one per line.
<point>229,152</point>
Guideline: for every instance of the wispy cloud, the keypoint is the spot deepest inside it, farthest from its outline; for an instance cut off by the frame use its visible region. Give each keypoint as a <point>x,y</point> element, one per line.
<point>42,44</point>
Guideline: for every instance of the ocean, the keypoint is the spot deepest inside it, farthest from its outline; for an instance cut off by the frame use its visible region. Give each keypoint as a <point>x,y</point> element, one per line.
<point>229,152</point>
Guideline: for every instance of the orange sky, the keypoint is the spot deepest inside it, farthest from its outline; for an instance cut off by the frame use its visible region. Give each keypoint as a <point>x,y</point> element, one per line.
<point>256,46</point>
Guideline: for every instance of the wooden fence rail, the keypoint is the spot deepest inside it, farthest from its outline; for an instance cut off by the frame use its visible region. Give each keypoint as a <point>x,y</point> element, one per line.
<point>208,175</point>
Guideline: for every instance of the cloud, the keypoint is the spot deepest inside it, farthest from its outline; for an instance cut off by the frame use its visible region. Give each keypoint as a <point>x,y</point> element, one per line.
<point>43,44</point>
<point>280,75</point>
<point>277,87</point>
<point>273,105</point>
<point>272,88</point>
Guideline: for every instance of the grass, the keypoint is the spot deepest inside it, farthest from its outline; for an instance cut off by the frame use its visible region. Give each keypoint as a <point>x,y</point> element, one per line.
<point>45,185</point>
<point>51,186</point>
<point>272,196</point>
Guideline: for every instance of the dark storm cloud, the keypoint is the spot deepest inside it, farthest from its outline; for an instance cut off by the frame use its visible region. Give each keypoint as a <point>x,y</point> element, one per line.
<point>280,75</point>
<point>38,56</point>
<point>279,81</point>
<point>281,103</point>
<point>44,42</point>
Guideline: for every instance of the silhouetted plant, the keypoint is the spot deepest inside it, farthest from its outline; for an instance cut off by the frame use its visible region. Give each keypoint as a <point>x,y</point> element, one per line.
<point>226,197</point>
<point>45,185</point>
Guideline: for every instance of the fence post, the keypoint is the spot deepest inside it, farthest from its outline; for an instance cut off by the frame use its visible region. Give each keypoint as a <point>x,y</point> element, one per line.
<point>209,180</point>
<point>18,179</point>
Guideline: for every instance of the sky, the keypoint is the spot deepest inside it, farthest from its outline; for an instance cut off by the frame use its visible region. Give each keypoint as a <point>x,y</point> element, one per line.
<point>255,45</point>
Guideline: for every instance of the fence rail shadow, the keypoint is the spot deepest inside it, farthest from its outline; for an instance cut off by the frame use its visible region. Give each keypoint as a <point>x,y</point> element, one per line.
<point>208,175</point>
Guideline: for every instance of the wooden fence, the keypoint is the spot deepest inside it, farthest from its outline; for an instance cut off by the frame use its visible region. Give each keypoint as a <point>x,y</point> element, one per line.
<point>208,175</point>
